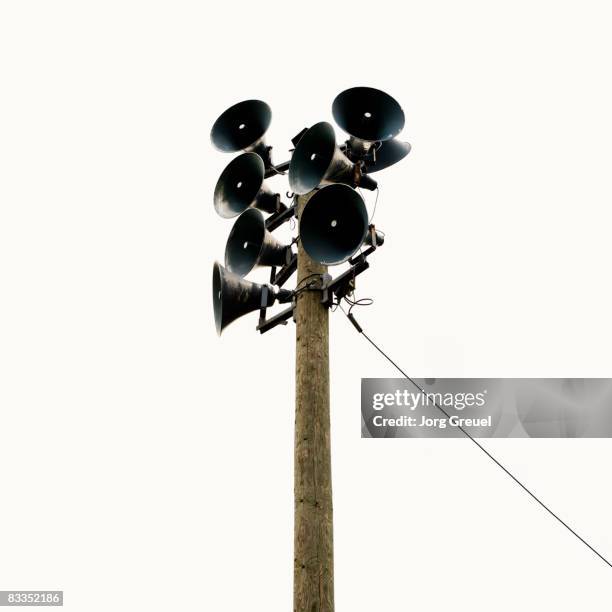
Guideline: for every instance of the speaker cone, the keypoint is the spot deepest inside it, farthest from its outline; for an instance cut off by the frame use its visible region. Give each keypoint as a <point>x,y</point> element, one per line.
<point>250,244</point>
<point>241,185</point>
<point>333,224</point>
<point>242,127</point>
<point>368,114</point>
<point>317,160</point>
<point>234,297</point>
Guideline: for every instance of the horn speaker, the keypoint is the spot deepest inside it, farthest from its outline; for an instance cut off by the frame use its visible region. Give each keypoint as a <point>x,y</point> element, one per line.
<point>317,160</point>
<point>386,154</point>
<point>233,296</point>
<point>333,224</point>
<point>242,127</point>
<point>241,185</point>
<point>250,244</point>
<point>368,115</point>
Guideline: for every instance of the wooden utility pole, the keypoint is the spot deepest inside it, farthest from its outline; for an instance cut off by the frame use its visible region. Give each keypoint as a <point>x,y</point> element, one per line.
<point>313,574</point>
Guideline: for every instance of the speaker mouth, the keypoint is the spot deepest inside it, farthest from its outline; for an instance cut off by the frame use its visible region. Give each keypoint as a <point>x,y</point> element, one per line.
<point>312,157</point>
<point>239,185</point>
<point>333,224</point>
<point>217,285</point>
<point>368,114</point>
<point>245,242</point>
<point>241,126</point>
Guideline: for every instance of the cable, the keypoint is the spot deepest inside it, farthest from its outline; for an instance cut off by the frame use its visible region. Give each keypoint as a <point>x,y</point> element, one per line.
<point>356,325</point>
<point>307,286</point>
<point>360,302</point>
<point>375,203</point>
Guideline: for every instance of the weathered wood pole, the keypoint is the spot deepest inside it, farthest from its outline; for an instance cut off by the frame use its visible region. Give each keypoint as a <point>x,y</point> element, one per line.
<point>313,575</point>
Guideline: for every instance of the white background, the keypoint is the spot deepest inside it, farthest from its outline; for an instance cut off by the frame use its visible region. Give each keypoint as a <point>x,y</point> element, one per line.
<point>146,464</point>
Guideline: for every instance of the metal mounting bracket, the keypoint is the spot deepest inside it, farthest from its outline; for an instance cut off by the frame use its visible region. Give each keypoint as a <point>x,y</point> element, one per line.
<point>277,219</point>
<point>279,319</point>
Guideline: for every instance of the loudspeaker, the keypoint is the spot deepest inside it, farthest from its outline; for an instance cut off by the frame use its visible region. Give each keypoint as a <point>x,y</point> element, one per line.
<point>242,127</point>
<point>241,185</point>
<point>368,115</point>
<point>317,160</point>
<point>234,296</point>
<point>386,154</point>
<point>333,224</point>
<point>250,244</point>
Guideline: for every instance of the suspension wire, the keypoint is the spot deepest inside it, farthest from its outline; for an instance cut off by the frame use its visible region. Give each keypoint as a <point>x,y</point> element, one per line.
<point>356,325</point>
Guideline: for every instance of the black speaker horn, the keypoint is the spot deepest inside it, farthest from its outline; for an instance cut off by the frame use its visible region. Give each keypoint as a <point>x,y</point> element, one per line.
<point>233,296</point>
<point>368,115</point>
<point>250,244</point>
<point>317,160</point>
<point>241,185</point>
<point>242,127</point>
<point>333,224</point>
<point>386,154</point>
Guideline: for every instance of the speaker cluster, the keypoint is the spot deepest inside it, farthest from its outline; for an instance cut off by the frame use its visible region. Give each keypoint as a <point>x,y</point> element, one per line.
<point>334,222</point>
